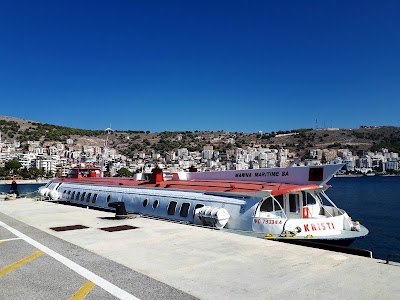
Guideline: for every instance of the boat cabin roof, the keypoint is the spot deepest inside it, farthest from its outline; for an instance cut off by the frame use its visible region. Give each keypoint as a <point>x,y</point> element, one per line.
<point>211,186</point>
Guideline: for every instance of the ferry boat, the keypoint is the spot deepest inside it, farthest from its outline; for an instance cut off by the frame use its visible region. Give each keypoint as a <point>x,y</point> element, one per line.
<point>275,203</point>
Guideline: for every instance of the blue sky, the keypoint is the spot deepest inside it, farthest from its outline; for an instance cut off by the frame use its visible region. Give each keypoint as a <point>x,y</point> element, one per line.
<point>201,65</point>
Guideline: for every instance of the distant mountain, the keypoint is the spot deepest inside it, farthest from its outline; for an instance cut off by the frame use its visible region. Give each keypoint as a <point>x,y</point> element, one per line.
<point>131,141</point>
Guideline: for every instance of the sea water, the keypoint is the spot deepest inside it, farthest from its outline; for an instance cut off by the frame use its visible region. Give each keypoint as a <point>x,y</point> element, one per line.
<point>373,201</point>
<point>25,189</point>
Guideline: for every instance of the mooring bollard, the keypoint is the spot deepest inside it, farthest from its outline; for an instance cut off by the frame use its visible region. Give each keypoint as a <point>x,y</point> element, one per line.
<point>120,210</point>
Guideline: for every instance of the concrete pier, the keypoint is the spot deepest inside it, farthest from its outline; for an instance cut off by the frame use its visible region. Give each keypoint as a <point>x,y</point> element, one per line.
<point>203,263</point>
<point>25,181</point>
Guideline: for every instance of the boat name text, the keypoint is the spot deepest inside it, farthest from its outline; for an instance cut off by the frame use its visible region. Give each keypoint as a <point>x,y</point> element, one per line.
<point>319,226</point>
<point>263,174</point>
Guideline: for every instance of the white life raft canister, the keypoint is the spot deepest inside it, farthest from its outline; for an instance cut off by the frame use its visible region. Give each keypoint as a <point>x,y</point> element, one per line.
<point>211,216</point>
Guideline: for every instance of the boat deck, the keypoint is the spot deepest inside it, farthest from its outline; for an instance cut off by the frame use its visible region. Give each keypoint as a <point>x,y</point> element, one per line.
<point>165,260</point>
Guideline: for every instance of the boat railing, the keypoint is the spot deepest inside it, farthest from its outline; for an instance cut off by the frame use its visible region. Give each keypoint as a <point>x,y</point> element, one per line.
<point>340,211</point>
<point>328,199</point>
<point>331,211</point>
<point>325,211</point>
<point>333,205</point>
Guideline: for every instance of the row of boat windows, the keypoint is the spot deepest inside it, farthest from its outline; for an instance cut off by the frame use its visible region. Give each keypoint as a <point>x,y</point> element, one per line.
<point>72,195</point>
<point>183,211</point>
<point>294,203</point>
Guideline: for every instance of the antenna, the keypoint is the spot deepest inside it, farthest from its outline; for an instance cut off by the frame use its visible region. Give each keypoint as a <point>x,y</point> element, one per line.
<point>108,131</point>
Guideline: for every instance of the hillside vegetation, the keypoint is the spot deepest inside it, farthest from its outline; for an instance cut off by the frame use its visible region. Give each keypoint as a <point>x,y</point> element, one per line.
<point>131,141</point>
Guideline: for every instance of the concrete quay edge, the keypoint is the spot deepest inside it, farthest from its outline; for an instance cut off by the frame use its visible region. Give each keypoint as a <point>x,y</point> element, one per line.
<point>211,264</point>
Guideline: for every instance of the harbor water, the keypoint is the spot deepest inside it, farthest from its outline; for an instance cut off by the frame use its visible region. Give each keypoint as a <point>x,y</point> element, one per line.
<point>374,201</point>
<point>25,189</point>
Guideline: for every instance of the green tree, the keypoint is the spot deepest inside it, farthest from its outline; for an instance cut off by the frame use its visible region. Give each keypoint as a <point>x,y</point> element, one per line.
<point>124,172</point>
<point>25,173</point>
<point>12,166</point>
<point>34,173</point>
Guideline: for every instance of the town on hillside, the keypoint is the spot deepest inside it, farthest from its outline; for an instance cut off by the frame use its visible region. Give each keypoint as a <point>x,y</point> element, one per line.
<point>47,159</point>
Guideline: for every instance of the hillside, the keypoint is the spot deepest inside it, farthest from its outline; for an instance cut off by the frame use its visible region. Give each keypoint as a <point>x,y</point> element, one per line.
<point>131,141</point>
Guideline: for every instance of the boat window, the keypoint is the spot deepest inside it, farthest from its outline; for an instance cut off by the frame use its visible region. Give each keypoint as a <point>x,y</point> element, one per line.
<point>77,196</point>
<point>294,203</point>
<point>88,197</point>
<point>83,196</point>
<point>145,201</point>
<point>73,195</point>
<point>196,207</point>
<point>308,199</point>
<point>184,209</point>
<point>94,198</point>
<point>267,205</point>
<point>57,186</point>
<point>108,198</point>
<point>68,194</point>
<point>172,207</point>
<point>280,201</point>
<point>155,203</point>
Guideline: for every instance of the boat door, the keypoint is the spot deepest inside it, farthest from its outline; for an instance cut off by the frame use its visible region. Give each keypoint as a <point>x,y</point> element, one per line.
<point>293,205</point>
<point>270,216</point>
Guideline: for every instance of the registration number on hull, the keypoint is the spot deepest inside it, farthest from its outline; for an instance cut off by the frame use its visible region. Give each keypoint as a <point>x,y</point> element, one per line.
<point>267,221</point>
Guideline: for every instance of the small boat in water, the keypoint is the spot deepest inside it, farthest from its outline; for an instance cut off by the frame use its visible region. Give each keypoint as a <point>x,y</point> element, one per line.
<point>276,203</point>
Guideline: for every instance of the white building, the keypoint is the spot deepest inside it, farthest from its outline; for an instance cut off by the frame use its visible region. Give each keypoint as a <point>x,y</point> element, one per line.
<point>262,160</point>
<point>183,152</point>
<point>47,164</point>
<point>364,162</point>
<point>392,164</point>
<point>207,154</point>
<point>27,160</point>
